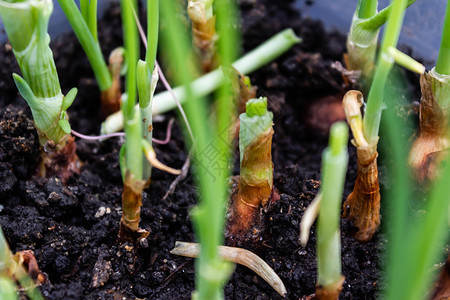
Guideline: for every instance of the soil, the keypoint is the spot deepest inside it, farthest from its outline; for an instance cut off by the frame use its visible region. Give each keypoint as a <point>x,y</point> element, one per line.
<point>72,229</point>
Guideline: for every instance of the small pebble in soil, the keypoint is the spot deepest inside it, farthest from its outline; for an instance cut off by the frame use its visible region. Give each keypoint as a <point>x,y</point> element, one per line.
<point>302,252</point>
<point>100,212</point>
<point>143,243</point>
<point>54,197</point>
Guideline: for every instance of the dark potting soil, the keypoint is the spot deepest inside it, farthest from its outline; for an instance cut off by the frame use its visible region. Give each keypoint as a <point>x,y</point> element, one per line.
<point>73,229</point>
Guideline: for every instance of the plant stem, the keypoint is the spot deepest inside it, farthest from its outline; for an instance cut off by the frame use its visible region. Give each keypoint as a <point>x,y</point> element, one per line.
<point>227,52</point>
<point>147,78</point>
<point>133,127</point>
<point>255,185</point>
<point>385,62</point>
<point>152,33</point>
<point>406,61</point>
<point>92,23</point>
<point>362,40</point>
<point>258,57</point>
<point>443,62</point>
<point>88,43</point>
<point>208,215</point>
<point>418,239</point>
<point>84,9</point>
<point>367,9</point>
<point>334,166</point>
<point>372,116</point>
<point>26,23</point>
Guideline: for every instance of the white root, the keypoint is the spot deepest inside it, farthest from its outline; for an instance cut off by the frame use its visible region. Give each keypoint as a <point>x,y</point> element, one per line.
<point>151,157</point>
<point>310,215</point>
<point>237,256</point>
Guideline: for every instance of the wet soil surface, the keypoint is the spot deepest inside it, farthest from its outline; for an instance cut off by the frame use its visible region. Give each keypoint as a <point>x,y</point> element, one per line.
<point>73,229</point>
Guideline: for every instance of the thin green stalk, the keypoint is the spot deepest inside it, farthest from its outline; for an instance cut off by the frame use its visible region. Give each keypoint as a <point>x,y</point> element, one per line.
<point>92,24</point>
<point>416,242</point>
<point>334,167</point>
<point>385,62</point>
<point>147,78</point>
<point>88,9</point>
<point>443,62</point>
<point>130,42</point>
<point>133,145</point>
<point>367,8</point>
<point>406,61</point>
<point>208,215</point>
<point>88,42</point>
<point>253,60</point>
<point>133,127</point>
<point>152,33</point>
<point>227,52</point>
<point>84,9</point>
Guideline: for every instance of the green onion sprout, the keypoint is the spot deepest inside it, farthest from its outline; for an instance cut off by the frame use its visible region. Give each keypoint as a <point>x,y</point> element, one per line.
<point>433,136</point>
<point>416,241</point>
<point>209,214</point>
<point>26,23</point>
<point>256,167</point>
<point>135,148</point>
<point>363,204</point>
<point>334,168</point>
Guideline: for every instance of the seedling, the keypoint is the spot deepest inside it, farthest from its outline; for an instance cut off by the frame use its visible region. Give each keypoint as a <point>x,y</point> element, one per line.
<point>433,135</point>
<point>326,204</point>
<point>255,185</point>
<point>208,215</point>
<point>334,167</point>
<point>416,241</point>
<point>363,204</point>
<point>135,147</point>
<point>203,31</point>
<point>26,24</point>
<point>363,39</point>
